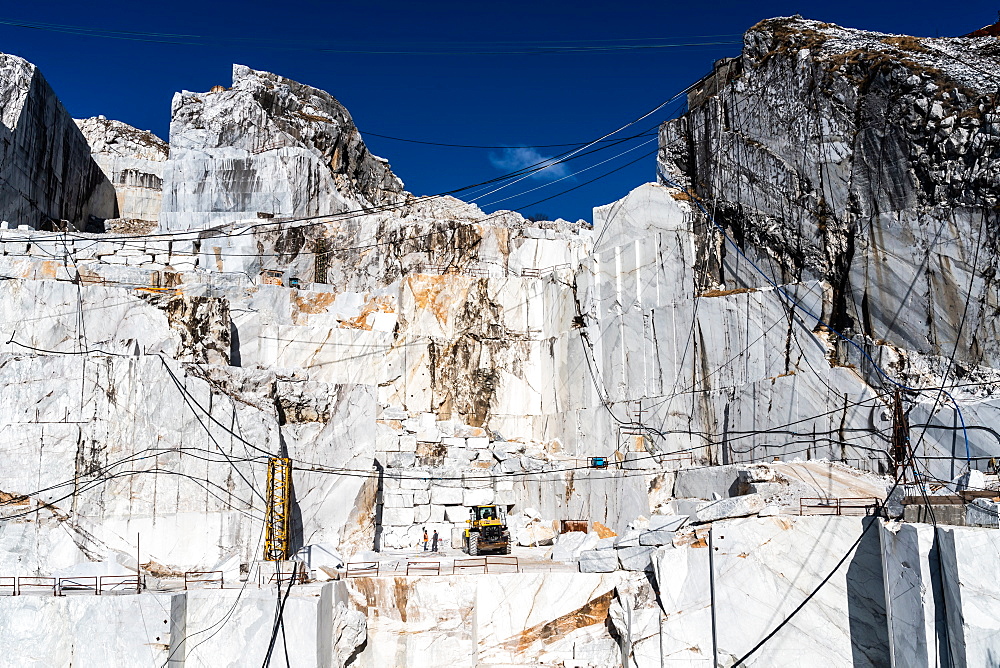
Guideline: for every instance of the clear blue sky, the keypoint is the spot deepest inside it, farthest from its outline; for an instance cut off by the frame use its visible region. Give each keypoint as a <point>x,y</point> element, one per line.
<point>504,100</point>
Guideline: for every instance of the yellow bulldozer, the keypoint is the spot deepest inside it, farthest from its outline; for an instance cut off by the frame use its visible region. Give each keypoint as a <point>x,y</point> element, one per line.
<point>487,531</point>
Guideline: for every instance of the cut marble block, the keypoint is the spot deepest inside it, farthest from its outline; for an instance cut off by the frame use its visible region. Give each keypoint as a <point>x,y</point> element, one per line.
<point>568,546</point>
<point>738,506</point>
<point>447,495</point>
<point>657,537</point>
<point>598,561</point>
<point>913,586</point>
<point>969,563</point>
<point>983,513</point>
<point>764,567</point>
<point>635,558</point>
<point>477,497</point>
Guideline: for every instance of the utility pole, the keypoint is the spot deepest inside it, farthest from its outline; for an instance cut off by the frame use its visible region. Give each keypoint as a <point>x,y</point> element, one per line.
<point>711,589</point>
<point>900,438</point>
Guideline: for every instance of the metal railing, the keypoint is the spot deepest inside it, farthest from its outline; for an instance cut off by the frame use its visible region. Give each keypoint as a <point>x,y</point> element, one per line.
<point>295,576</point>
<point>423,568</point>
<point>114,583</point>
<point>363,569</point>
<point>84,583</point>
<point>98,584</point>
<point>462,566</point>
<point>476,565</point>
<point>204,578</point>
<point>501,563</point>
<point>32,582</point>
<point>853,506</point>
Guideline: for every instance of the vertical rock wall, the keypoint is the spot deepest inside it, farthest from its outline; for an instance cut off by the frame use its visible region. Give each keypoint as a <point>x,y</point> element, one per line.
<point>46,171</point>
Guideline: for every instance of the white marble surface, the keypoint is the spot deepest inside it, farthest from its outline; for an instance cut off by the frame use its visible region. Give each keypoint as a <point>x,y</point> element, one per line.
<point>969,564</point>
<point>913,588</point>
<point>763,569</point>
<point>132,159</point>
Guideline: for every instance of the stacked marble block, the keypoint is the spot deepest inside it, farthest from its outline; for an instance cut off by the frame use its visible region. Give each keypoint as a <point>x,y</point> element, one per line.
<point>440,500</point>
<point>411,500</point>
<point>435,470</point>
<point>406,441</point>
<point>153,254</point>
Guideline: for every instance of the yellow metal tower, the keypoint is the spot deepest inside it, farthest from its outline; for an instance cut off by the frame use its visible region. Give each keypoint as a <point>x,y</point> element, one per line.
<point>279,489</point>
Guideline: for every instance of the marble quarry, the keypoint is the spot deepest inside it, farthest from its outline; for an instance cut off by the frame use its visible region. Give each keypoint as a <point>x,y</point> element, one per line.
<point>729,338</point>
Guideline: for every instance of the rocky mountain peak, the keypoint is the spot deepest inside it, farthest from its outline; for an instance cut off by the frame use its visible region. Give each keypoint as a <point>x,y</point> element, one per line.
<point>265,118</point>
<point>121,139</point>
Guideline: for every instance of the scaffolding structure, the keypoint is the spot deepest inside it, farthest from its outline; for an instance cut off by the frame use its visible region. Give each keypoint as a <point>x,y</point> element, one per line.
<point>278,515</point>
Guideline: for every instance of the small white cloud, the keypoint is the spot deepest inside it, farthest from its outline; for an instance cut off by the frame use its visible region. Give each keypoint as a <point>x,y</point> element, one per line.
<point>521,157</point>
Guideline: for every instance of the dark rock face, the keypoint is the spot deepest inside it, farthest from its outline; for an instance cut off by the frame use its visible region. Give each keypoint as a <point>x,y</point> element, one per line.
<point>866,160</point>
<point>47,175</point>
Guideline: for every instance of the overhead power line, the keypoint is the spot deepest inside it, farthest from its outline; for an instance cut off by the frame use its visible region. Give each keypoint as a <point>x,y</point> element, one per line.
<point>325,219</point>
<point>502,146</point>
<point>363,48</point>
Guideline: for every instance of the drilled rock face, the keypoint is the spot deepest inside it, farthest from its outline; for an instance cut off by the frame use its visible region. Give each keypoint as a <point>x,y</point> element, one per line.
<point>132,159</point>
<point>267,146</point>
<point>46,172</point>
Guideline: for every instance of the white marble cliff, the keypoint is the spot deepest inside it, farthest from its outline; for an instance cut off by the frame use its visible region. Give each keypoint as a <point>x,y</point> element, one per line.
<point>49,180</point>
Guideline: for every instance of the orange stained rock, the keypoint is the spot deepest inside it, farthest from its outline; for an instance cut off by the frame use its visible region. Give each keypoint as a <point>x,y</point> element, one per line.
<point>87,276</point>
<point>48,269</point>
<point>438,293</point>
<point>593,612</point>
<point>603,531</point>
<point>309,303</point>
<point>376,304</point>
<point>726,293</point>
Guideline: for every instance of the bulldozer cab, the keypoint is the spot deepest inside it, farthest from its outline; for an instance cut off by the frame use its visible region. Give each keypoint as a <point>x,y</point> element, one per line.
<point>488,515</point>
